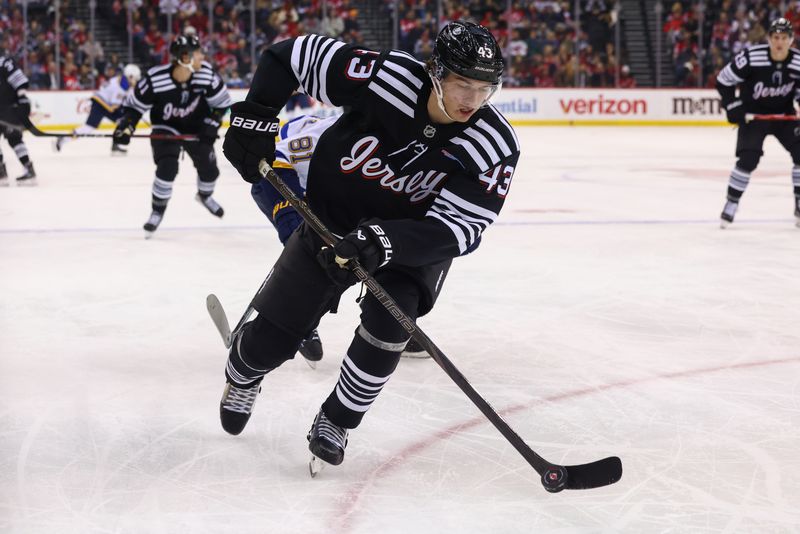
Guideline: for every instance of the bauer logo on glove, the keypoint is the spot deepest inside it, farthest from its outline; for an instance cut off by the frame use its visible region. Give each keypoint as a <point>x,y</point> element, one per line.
<point>252,124</point>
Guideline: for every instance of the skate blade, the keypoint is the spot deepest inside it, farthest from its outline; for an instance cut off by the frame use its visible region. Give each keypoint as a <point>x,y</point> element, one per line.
<point>148,235</point>
<point>724,224</point>
<point>311,363</point>
<point>29,182</point>
<point>315,466</point>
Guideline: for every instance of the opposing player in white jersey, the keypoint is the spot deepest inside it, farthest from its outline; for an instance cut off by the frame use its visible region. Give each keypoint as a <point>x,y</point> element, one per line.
<point>107,103</point>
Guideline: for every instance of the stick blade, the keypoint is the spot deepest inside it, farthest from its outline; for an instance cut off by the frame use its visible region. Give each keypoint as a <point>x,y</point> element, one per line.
<point>594,475</point>
<point>217,313</point>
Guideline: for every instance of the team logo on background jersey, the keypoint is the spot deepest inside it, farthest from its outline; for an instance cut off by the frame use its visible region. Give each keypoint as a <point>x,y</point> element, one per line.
<point>777,77</point>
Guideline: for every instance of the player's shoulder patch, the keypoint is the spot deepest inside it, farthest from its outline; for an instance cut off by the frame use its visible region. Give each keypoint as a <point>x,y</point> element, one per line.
<point>489,140</point>
<point>398,81</point>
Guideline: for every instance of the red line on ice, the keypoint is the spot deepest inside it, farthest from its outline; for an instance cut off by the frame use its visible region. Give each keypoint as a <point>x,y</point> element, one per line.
<point>343,520</point>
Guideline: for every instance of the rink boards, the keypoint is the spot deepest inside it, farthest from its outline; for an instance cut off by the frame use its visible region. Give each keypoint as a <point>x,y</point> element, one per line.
<point>55,110</point>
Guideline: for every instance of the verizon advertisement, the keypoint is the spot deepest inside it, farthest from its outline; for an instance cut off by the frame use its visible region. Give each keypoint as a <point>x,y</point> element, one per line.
<point>653,107</point>
<point>57,110</point>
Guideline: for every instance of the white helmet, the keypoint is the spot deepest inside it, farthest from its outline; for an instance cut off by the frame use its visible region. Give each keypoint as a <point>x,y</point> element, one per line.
<point>132,72</point>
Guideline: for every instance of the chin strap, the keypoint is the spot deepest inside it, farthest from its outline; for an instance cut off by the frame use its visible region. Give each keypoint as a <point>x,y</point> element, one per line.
<point>437,88</point>
<point>186,65</point>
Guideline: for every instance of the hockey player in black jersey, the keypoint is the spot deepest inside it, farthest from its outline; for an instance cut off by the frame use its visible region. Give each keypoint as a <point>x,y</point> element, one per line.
<point>768,80</point>
<point>184,96</point>
<point>411,175</point>
<point>14,104</point>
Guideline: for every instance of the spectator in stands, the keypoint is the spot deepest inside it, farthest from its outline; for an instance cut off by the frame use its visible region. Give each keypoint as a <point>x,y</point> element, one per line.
<point>626,81</point>
<point>675,22</point>
<point>424,46</point>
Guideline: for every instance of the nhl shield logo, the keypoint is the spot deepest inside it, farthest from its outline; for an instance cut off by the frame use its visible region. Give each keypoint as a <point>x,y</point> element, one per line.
<point>429,131</point>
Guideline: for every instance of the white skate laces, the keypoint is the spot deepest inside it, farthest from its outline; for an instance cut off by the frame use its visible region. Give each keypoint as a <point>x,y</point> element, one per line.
<point>240,399</point>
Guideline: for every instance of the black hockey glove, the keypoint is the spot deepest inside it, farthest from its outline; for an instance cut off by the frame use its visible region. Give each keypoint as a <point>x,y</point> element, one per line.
<point>251,138</point>
<point>735,112</point>
<point>23,105</point>
<point>124,130</point>
<point>368,244</point>
<point>208,132</point>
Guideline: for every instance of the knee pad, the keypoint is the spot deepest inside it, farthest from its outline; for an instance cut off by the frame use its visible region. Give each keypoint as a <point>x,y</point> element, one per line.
<point>167,168</point>
<point>748,160</point>
<point>377,320</point>
<point>266,346</point>
<point>208,174</point>
<point>14,137</point>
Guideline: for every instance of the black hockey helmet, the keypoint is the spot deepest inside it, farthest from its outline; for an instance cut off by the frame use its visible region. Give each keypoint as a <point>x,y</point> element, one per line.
<point>468,50</point>
<point>183,44</point>
<point>781,25</point>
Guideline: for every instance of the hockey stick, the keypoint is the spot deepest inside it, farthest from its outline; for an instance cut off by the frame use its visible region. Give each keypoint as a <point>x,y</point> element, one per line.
<point>217,313</point>
<point>554,477</point>
<point>767,117</point>
<point>29,126</point>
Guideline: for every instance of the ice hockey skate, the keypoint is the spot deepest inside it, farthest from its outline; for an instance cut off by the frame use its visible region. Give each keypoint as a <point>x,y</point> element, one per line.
<point>237,405</point>
<point>152,223</point>
<point>728,213</point>
<point>311,349</point>
<point>118,150</point>
<point>326,441</point>
<point>414,350</point>
<point>210,204</point>
<point>29,178</point>
<point>58,143</point>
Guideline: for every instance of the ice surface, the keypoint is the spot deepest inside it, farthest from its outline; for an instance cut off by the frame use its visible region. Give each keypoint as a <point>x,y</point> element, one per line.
<point>605,313</point>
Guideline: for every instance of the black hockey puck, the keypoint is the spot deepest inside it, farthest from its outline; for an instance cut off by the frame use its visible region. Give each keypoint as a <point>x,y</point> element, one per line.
<point>554,479</point>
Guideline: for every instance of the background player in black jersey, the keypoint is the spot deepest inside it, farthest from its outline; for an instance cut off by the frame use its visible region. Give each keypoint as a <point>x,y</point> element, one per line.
<point>411,175</point>
<point>14,104</point>
<point>768,80</point>
<point>185,96</point>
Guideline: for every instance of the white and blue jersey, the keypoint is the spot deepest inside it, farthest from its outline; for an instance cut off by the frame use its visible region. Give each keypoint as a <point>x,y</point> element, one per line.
<point>107,100</point>
<point>294,147</point>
